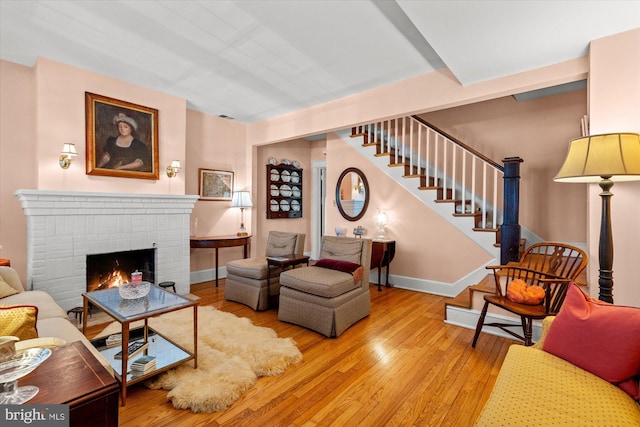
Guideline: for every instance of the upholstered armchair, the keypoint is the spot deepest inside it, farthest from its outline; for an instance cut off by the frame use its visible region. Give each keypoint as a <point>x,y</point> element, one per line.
<point>247,278</point>
<point>329,299</point>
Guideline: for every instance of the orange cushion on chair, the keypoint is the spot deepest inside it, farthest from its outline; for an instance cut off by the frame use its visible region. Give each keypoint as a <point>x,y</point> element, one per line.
<point>518,291</point>
<point>598,337</point>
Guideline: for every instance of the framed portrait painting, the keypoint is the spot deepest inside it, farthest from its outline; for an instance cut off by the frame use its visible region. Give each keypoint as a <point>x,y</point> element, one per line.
<point>215,184</point>
<point>122,138</point>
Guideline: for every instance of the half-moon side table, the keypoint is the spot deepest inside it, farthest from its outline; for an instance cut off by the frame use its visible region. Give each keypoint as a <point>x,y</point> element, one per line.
<point>382,253</point>
<point>221,242</point>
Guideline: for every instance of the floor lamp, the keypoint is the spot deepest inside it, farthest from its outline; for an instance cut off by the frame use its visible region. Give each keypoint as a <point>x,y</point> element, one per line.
<point>604,159</point>
<point>242,200</point>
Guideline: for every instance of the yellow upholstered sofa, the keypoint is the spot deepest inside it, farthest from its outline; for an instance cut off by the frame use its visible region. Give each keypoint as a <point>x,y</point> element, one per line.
<point>536,388</point>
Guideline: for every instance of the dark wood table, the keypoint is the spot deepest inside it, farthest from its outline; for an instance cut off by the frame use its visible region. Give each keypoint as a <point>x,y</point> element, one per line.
<point>5,262</point>
<point>382,253</point>
<point>221,242</point>
<point>284,262</point>
<point>73,376</point>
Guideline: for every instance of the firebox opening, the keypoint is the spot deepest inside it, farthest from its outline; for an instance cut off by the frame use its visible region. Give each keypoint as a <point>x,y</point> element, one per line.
<point>113,269</point>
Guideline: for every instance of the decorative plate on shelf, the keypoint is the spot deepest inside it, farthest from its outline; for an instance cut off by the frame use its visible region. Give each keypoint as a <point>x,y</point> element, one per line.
<point>272,161</point>
<point>275,192</point>
<point>284,206</point>
<point>285,190</point>
<point>274,206</point>
<point>285,176</point>
<point>295,206</point>
<point>296,164</point>
<point>295,177</point>
<point>295,191</point>
<point>285,162</point>
<point>275,175</point>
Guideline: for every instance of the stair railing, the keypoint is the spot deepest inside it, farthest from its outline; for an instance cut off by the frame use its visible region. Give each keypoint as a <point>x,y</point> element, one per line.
<point>461,174</point>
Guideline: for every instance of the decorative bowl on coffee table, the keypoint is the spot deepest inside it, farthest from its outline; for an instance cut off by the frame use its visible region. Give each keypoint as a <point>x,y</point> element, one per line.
<point>134,290</point>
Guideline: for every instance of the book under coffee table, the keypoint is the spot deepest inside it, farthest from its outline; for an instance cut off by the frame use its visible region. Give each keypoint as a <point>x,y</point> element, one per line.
<point>124,311</point>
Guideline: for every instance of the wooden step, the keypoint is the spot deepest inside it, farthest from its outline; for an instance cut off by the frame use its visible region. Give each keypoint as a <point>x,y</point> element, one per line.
<point>465,298</point>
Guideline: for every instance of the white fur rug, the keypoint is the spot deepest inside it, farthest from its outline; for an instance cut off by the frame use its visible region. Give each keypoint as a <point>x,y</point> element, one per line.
<point>232,354</point>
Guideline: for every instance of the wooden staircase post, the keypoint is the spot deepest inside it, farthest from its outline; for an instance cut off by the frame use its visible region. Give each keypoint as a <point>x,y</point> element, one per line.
<point>510,228</point>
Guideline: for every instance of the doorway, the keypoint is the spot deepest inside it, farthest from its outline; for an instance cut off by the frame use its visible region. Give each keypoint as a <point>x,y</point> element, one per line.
<point>318,205</point>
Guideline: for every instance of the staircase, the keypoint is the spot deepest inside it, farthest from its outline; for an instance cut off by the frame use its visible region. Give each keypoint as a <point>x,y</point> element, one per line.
<point>461,184</point>
<point>444,170</point>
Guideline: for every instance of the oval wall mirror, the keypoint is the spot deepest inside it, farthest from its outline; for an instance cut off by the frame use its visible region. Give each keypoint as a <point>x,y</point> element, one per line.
<point>352,194</point>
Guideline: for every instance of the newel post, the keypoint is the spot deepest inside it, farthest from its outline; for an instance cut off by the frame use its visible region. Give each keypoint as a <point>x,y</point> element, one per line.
<point>510,228</point>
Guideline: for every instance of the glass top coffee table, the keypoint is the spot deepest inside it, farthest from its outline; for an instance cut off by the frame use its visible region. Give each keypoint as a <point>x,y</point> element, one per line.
<point>126,311</point>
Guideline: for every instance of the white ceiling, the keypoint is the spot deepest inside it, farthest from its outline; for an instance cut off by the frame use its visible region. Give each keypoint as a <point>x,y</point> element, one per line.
<point>255,59</point>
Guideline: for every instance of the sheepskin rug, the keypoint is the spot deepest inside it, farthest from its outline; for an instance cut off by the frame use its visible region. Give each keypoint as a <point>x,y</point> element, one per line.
<point>232,354</point>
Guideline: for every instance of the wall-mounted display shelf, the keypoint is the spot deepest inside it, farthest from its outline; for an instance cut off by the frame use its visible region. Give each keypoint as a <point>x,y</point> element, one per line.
<point>284,191</point>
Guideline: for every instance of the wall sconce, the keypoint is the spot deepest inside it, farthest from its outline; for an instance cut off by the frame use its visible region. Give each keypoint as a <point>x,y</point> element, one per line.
<point>66,155</point>
<point>381,221</point>
<point>172,170</point>
<point>242,200</point>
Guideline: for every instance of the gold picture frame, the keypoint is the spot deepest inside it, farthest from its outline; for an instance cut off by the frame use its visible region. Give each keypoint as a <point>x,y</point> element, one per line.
<point>215,185</point>
<point>122,138</point>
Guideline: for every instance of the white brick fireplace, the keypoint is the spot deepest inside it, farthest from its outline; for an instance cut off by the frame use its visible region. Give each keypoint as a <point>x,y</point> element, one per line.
<point>64,227</point>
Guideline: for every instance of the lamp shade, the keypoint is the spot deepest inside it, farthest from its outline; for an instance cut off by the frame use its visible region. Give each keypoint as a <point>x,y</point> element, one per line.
<point>69,149</point>
<point>241,199</point>
<point>381,219</point>
<point>615,156</point>
<point>175,164</point>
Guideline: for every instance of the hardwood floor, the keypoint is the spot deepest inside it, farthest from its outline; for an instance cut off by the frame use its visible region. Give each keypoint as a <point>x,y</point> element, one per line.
<point>402,366</point>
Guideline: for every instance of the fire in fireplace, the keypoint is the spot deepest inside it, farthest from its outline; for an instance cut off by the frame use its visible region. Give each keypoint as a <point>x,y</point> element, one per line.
<point>113,269</point>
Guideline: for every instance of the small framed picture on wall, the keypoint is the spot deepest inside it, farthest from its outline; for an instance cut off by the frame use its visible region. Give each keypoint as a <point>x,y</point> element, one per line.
<point>215,185</point>
<point>122,138</point>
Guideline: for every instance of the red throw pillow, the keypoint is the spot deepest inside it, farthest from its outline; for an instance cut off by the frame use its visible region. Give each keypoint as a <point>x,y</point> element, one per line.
<point>336,264</point>
<point>598,337</point>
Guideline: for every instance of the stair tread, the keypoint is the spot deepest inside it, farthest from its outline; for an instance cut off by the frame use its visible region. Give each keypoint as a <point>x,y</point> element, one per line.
<point>464,299</point>
<point>495,230</point>
<point>468,214</point>
<point>428,188</point>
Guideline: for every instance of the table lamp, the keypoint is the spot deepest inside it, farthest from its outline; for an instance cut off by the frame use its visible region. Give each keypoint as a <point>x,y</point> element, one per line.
<point>604,159</point>
<point>242,200</point>
<point>381,221</point>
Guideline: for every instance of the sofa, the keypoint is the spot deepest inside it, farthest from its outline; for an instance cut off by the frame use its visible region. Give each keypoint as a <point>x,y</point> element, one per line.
<point>583,371</point>
<point>52,326</point>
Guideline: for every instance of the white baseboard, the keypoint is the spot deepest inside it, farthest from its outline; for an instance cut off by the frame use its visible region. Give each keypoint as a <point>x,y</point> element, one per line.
<point>207,275</point>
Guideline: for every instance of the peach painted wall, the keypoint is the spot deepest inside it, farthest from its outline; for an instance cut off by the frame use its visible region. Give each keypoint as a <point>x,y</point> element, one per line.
<point>17,158</point>
<point>300,150</point>
<point>60,115</point>
<point>537,131</point>
<point>614,106</point>
<point>427,246</point>
<point>216,143</point>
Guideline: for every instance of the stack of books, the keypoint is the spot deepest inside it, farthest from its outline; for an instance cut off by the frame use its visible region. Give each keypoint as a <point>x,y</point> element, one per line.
<point>113,340</point>
<point>143,364</point>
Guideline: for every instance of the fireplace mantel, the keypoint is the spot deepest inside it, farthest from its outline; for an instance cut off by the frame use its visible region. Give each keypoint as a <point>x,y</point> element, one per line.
<point>63,227</point>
